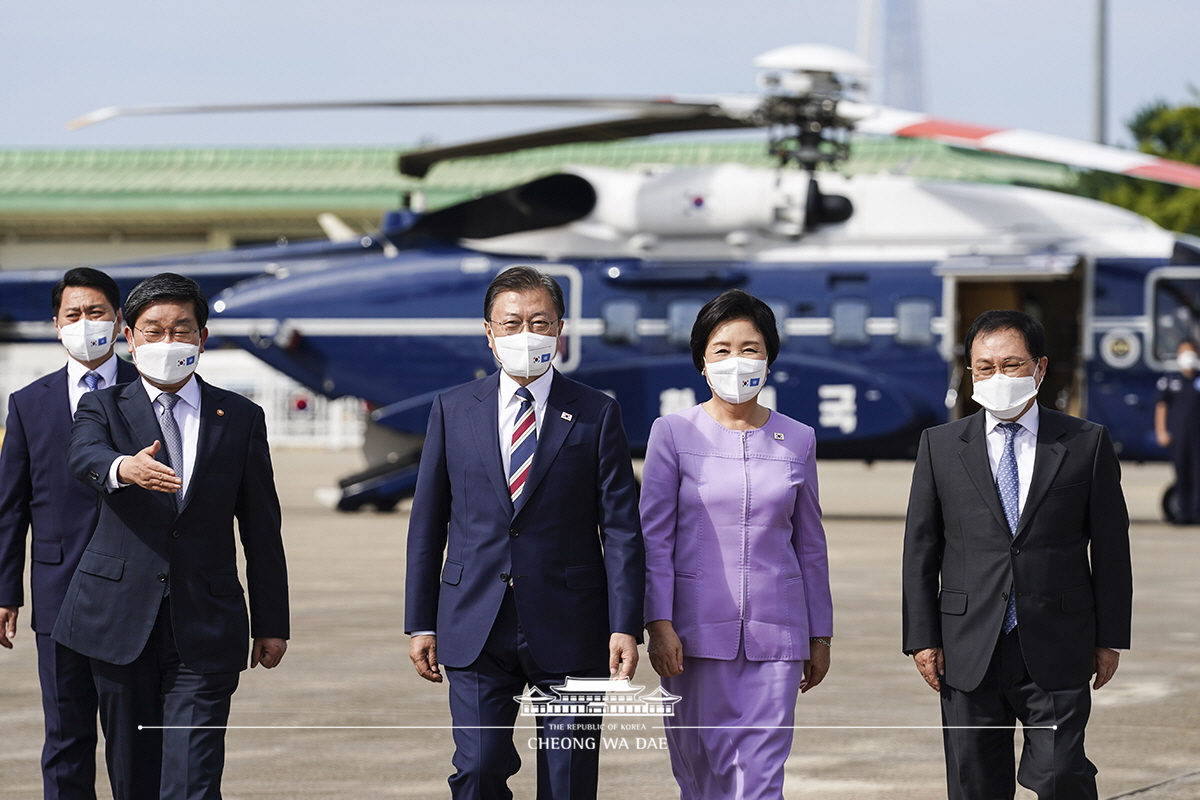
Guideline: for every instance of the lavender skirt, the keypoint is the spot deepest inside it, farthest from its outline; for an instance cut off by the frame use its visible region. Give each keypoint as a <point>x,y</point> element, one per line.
<point>732,730</point>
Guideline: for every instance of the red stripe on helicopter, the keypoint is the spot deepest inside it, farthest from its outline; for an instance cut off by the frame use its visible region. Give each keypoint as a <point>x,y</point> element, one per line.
<point>945,129</point>
<point>1170,171</point>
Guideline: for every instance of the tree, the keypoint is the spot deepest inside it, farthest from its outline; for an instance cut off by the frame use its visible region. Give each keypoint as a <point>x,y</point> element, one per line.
<point>1169,132</point>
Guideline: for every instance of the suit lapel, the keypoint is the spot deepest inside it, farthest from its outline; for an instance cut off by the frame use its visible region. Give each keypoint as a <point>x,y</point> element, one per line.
<point>212,431</point>
<point>975,461</point>
<point>138,412</point>
<point>1047,459</point>
<point>485,426</point>
<point>555,427</point>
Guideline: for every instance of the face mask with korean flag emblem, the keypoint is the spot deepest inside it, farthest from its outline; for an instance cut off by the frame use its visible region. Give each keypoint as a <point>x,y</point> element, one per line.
<point>88,339</point>
<point>736,380</point>
<point>525,354</point>
<point>167,363</point>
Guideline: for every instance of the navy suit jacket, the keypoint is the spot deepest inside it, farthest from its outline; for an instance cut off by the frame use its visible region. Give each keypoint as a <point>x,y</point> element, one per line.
<point>1069,561</point>
<point>573,546</point>
<point>37,488</point>
<point>142,545</point>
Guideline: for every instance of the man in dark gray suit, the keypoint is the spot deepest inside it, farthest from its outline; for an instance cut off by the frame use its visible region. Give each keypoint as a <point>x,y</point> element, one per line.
<point>156,603</point>
<point>1017,579</point>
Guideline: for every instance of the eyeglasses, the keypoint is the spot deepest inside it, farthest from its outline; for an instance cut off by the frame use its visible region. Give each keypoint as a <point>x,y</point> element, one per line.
<point>155,335</point>
<point>1009,368</point>
<point>511,326</point>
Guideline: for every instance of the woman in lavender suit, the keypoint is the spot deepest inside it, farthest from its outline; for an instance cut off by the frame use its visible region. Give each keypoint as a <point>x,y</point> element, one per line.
<point>737,578</point>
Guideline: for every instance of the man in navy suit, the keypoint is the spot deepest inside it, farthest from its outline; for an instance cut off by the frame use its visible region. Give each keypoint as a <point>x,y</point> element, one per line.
<point>156,602</point>
<point>525,556</point>
<point>37,490</point>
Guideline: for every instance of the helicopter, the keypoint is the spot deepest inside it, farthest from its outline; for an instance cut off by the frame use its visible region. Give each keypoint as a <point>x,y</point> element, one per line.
<point>872,278</point>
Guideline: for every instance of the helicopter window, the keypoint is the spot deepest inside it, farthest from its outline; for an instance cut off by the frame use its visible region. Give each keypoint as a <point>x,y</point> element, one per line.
<point>1176,313</point>
<point>780,308</point>
<point>681,316</point>
<point>620,321</point>
<point>850,321</point>
<point>914,319</point>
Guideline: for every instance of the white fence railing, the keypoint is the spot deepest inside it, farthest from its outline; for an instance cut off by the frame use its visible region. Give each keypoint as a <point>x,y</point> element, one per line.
<point>296,416</point>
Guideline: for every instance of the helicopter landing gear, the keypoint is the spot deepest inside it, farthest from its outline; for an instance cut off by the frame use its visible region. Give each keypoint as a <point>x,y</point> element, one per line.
<point>1170,505</point>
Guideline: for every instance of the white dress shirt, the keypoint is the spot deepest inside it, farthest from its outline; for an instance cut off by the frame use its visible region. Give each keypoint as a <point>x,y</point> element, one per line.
<point>1024,447</point>
<point>187,418</point>
<point>76,388</point>
<point>510,406</point>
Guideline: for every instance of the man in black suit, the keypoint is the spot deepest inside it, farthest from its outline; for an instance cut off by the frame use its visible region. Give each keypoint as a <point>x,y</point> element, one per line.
<point>525,555</point>
<point>37,490</point>
<point>156,602</point>
<point>1004,612</point>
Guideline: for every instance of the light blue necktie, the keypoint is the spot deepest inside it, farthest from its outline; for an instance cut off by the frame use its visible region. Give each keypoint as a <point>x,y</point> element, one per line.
<point>91,380</point>
<point>1008,486</point>
<point>171,437</point>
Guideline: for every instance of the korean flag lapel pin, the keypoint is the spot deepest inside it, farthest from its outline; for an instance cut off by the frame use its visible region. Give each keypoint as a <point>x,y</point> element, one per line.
<point>779,437</point>
<point>567,416</point>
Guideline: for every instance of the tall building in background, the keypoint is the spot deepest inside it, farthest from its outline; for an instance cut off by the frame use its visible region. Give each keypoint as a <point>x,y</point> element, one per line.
<point>889,39</point>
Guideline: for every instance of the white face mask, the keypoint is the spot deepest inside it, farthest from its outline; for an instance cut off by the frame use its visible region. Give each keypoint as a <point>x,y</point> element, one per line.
<point>1005,396</point>
<point>88,339</point>
<point>736,380</point>
<point>1188,360</point>
<point>525,354</point>
<point>167,363</point>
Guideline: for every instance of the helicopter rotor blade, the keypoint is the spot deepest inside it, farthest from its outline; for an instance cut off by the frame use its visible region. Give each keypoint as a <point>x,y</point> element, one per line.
<point>1022,143</point>
<point>418,163</point>
<point>645,105</point>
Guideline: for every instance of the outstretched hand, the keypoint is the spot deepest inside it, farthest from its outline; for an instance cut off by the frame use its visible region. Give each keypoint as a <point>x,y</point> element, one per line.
<point>144,471</point>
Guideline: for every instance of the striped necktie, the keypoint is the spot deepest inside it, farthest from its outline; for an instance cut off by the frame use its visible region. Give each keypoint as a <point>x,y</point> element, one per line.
<point>1008,486</point>
<point>91,380</point>
<point>524,442</point>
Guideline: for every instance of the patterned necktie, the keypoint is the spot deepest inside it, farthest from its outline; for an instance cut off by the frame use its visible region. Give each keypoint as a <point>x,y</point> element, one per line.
<point>171,437</point>
<point>91,380</point>
<point>524,442</point>
<point>1008,486</point>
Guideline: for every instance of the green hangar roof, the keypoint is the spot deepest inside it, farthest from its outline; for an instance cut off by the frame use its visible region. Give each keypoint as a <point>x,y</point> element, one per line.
<point>144,191</point>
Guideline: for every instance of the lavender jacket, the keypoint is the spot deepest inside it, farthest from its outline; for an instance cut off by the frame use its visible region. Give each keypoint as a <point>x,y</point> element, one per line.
<point>734,543</point>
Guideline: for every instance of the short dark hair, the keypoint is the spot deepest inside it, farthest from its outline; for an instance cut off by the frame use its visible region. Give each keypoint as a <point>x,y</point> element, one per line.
<point>728,306</point>
<point>166,287</point>
<point>1007,320</point>
<point>88,278</point>
<point>523,278</point>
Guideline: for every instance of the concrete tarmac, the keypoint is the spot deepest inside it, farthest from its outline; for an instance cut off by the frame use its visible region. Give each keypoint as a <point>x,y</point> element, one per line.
<point>345,715</point>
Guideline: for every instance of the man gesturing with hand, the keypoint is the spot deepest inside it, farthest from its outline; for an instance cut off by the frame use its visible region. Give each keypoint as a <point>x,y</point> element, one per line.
<point>156,602</point>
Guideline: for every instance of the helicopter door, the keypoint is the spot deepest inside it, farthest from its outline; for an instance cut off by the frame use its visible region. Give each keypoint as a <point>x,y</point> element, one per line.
<point>571,344</point>
<point>1050,288</point>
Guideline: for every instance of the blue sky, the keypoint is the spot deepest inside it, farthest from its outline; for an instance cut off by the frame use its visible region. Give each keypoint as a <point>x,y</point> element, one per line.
<point>1024,63</point>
